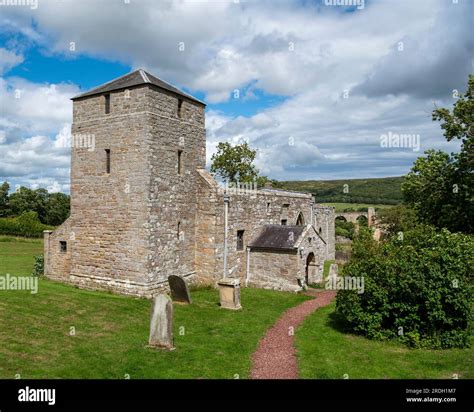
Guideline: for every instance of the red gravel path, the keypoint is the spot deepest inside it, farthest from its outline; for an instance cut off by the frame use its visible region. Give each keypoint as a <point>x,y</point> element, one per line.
<point>275,357</point>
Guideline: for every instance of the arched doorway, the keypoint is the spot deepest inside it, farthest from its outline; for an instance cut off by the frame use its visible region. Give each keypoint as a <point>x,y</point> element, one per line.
<point>310,267</point>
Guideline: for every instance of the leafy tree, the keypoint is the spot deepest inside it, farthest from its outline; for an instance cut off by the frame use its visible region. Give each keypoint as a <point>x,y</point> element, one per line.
<point>440,187</point>
<point>4,207</point>
<point>396,219</point>
<point>25,199</point>
<point>344,228</point>
<point>51,208</point>
<point>56,209</point>
<point>234,163</point>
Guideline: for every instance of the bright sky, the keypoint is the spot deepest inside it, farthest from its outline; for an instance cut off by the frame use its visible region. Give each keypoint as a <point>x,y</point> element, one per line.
<point>312,85</point>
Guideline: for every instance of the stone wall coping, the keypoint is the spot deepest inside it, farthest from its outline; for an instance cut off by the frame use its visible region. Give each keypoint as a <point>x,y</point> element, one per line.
<point>229,282</point>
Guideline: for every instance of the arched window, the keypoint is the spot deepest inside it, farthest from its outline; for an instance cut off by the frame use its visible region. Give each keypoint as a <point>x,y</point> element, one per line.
<point>300,220</point>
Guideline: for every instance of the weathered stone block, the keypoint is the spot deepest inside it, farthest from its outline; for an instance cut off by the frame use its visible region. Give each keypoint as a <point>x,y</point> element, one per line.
<point>161,323</point>
<point>229,293</point>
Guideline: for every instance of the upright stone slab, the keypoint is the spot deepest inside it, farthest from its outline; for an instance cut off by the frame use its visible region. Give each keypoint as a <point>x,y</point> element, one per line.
<point>161,324</point>
<point>179,289</point>
<point>229,292</point>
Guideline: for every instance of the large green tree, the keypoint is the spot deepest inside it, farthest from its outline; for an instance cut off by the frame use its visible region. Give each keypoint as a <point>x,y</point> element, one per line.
<point>234,163</point>
<point>440,187</point>
<point>56,209</point>
<point>51,208</point>
<point>25,200</point>
<point>396,219</point>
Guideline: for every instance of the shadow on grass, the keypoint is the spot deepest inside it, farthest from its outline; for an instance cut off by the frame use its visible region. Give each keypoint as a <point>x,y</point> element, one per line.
<point>336,322</point>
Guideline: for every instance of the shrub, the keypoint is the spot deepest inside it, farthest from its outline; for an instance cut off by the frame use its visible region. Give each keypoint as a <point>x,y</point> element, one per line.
<point>344,229</point>
<point>417,289</point>
<point>27,224</point>
<point>38,268</point>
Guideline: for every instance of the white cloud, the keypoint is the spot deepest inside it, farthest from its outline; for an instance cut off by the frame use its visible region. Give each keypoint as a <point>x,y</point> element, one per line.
<point>311,55</point>
<point>8,60</point>
<point>32,152</point>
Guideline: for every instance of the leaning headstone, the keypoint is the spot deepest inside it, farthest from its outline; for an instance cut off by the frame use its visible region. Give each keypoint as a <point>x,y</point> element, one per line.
<point>179,289</point>
<point>161,324</point>
<point>229,292</point>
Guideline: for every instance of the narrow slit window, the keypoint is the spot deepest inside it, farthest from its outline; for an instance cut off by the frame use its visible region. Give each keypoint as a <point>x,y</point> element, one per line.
<point>180,162</point>
<point>180,105</point>
<point>107,103</point>
<point>178,231</point>
<point>107,160</point>
<point>240,240</point>
<point>63,246</point>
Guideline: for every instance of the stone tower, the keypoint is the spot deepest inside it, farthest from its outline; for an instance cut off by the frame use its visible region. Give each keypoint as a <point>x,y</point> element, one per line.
<point>133,196</point>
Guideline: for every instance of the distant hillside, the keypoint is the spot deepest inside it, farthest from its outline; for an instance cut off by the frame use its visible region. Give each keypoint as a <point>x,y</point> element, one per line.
<point>384,190</point>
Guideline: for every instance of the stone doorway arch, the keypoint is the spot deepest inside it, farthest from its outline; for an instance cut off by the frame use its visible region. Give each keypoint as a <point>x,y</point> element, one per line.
<point>310,268</point>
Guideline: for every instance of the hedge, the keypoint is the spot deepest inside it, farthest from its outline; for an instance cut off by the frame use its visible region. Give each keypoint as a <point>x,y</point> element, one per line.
<point>27,225</point>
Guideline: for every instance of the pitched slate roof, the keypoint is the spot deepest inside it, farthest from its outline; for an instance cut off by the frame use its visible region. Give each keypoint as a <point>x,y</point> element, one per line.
<point>278,237</point>
<point>136,78</point>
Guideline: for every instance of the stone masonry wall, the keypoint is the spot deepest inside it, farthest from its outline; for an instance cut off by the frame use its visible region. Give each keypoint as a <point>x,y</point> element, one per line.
<point>248,212</point>
<point>109,210</point>
<point>286,270</point>
<point>325,225</point>
<point>312,243</point>
<point>274,270</point>
<point>123,223</point>
<point>57,264</point>
<point>172,206</point>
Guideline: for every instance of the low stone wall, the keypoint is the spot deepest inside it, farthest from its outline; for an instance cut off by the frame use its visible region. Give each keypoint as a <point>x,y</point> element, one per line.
<point>57,263</point>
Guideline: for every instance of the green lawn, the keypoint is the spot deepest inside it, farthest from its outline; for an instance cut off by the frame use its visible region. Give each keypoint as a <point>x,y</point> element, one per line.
<point>17,254</point>
<point>326,352</point>
<point>111,332</point>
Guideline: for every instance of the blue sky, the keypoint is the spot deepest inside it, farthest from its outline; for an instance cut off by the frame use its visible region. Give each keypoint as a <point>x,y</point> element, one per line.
<point>318,84</point>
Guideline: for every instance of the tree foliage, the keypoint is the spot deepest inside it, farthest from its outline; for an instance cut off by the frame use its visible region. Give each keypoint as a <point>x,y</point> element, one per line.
<point>50,208</point>
<point>234,163</point>
<point>440,187</point>
<point>344,228</point>
<point>416,289</point>
<point>396,219</point>
<point>4,209</point>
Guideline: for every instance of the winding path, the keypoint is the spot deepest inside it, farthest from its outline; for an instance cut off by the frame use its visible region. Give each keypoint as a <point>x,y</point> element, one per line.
<point>275,357</point>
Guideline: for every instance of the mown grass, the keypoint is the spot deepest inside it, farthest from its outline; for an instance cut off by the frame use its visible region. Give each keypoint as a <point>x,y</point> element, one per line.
<point>325,351</point>
<point>111,331</point>
<point>17,254</point>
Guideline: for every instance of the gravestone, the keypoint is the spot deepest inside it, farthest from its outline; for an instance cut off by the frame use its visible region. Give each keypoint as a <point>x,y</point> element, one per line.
<point>229,292</point>
<point>161,323</point>
<point>179,289</point>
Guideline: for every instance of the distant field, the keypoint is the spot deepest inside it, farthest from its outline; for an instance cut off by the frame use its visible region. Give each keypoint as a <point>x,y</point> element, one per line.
<point>340,207</point>
<point>376,191</point>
